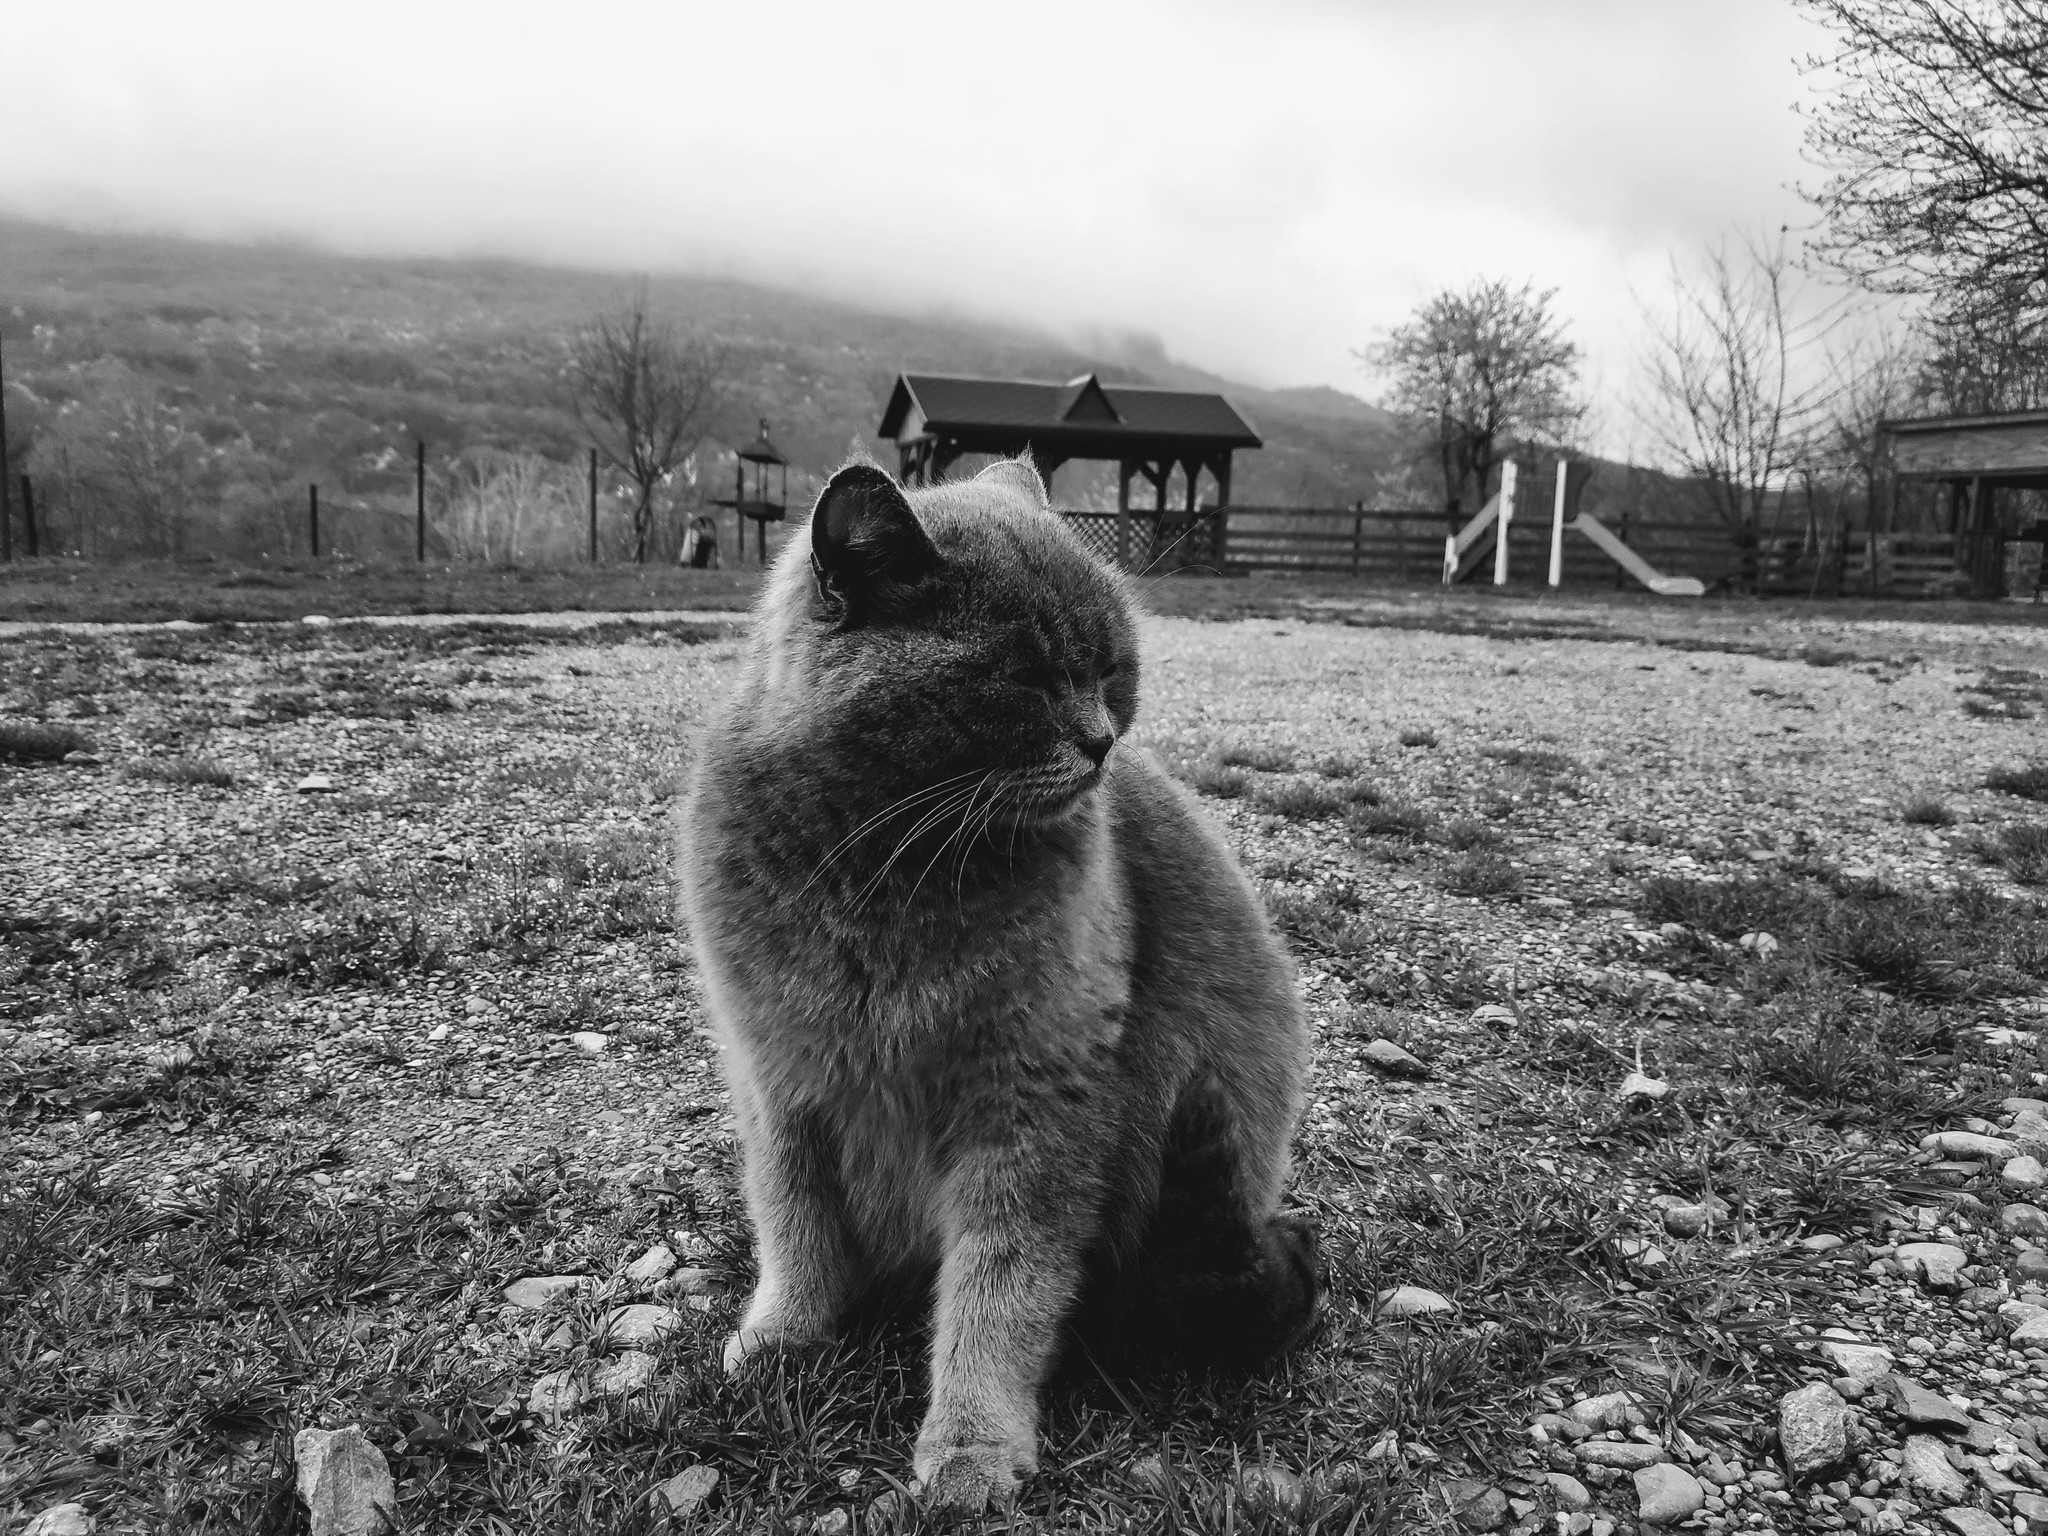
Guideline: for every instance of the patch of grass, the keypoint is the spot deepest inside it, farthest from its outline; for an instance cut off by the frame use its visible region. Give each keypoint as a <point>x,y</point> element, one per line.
<point>207,771</point>
<point>1260,759</point>
<point>1482,874</point>
<point>34,741</point>
<point>1463,835</point>
<point>1208,777</point>
<point>1828,656</point>
<point>2028,782</point>
<point>1338,765</point>
<point>1927,811</point>
<point>1388,818</point>
<point>1299,800</point>
<point>1535,759</point>
<point>1418,736</point>
<point>2020,848</point>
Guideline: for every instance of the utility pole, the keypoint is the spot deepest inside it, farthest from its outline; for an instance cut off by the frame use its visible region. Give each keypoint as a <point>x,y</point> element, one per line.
<point>593,506</point>
<point>420,499</point>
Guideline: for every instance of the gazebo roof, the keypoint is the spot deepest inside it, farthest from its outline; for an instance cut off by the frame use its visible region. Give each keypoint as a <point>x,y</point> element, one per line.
<point>1084,415</point>
<point>761,451</point>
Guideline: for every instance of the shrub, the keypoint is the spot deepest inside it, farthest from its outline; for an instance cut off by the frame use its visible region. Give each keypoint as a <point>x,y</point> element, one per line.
<point>33,741</point>
<point>2029,782</point>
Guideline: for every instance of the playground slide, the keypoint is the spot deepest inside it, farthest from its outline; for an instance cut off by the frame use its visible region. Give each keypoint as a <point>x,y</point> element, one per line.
<point>1633,563</point>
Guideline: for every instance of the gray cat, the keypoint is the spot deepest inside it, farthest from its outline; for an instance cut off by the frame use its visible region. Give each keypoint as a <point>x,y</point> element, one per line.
<point>995,1001</point>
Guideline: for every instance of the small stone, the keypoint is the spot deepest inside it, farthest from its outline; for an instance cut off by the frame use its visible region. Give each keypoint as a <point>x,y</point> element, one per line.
<point>1863,1362</point>
<point>1475,1503</point>
<point>61,1520</point>
<point>345,1483</point>
<point>1626,1455</point>
<point>686,1492</point>
<point>1968,1144</point>
<point>1558,1425</point>
<point>639,1324</point>
<point>1924,1466</point>
<point>1813,1429</point>
<point>1640,1085</point>
<point>1568,1491</point>
<point>1715,1470</point>
<point>1937,1265</point>
<point>1412,1301</point>
<point>1610,1410</point>
<point>836,1521</point>
<point>81,760</point>
<point>1388,1057</point>
<point>2032,1508</point>
<point>1974,1522</point>
<point>1685,1220</point>
<point>590,1042</point>
<point>1272,1488</point>
<point>1762,945</point>
<point>632,1372</point>
<point>316,784</point>
<point>315,620</point>
<point>536,1291</point>
<point>2026,1220</point>
<point>439,1032</point>
<point>2024,1173</point>
<point>1640,1252</point>
<point>652,1265</point>
<point>1149,1473</point>
<point>555,1396</point>
<point>2020,1106</point>
<point>2031,1266</point>
<point>1925,1409</point>
<point>476,1007</point>
<point>1821,1242</point>
<point>1666,1494</point>
<point>689,1282</point>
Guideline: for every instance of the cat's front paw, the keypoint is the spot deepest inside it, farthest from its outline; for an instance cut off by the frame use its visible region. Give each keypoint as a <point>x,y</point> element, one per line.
<point>744,1345</point>
<point>965,1478</point>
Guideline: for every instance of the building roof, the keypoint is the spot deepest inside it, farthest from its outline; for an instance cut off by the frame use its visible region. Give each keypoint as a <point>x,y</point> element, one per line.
<point>1083,409</point>
<point>2010,448</point>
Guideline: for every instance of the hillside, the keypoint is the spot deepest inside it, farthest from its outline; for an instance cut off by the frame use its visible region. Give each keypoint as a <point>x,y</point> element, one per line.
<point>295,365</point>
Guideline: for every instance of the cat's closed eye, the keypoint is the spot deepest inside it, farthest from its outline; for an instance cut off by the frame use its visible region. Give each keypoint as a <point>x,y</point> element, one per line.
<point>1043,679</point>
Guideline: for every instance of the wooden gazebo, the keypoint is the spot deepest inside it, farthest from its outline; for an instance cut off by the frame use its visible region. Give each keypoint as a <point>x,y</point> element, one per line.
<point>935,418</point>
<point>1976,457</point>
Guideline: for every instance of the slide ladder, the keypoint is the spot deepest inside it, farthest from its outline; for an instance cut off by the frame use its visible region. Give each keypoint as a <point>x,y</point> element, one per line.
<point>1633,563</point>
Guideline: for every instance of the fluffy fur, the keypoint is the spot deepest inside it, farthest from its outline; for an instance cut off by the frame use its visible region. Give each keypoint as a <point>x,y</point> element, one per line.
<point>993,998</point>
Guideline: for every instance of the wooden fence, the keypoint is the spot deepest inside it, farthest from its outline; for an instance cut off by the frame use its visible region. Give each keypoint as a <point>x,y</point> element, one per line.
<point>1407,544</point>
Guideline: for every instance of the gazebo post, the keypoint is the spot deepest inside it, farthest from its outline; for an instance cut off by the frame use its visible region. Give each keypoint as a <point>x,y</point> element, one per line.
<point>1124,471</point>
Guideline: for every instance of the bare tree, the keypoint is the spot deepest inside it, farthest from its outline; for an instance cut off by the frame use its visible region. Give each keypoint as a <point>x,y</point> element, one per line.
<point>1731,404</point>
<point>647,394</point>
<point>1481,366</point>
<point>1933,128</point>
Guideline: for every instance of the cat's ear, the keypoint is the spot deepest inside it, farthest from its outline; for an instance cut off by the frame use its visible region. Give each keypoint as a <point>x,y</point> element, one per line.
<point>1020,473</point>
<point>867,547</point>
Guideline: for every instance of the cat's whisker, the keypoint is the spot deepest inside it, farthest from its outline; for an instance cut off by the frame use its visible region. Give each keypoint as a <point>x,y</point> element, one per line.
<point>933,817</point>
<point>966,816</point>
<point>887,813</point>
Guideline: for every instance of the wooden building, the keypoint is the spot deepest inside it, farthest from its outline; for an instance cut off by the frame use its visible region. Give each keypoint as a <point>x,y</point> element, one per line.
<point>1976,458</point>
<point>936,418</point>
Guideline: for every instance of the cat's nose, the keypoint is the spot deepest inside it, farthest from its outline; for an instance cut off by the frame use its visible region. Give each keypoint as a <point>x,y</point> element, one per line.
<point>1096,747</point>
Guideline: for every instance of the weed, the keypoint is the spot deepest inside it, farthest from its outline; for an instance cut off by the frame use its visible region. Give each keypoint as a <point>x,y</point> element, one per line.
<point>1482,874</point>
<point>1418,736</point>
<point>1927,811</point>
<point>1338,765</point>
<point>33,741</point>
<point>1828,656</point>
<point>2029,782</point>
<point>1300,800</point>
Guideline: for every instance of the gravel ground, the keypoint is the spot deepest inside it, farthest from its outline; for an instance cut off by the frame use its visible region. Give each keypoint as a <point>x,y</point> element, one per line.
<point>458,952</point>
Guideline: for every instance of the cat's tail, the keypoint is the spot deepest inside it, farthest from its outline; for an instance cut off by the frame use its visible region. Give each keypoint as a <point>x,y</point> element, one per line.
<point>1217,1283</point>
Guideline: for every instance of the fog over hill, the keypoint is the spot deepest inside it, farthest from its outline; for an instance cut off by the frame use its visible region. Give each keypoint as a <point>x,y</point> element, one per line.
<point>303,364</point>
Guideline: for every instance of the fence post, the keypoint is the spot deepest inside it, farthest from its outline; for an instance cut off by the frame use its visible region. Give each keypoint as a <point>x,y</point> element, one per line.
<point>28,518</point>
<point>593,506</point>
<point>1357,539</point>
<point>313,517</point>
<point>6,479</point>
<point>1620,575</point>
<point>420,500</point>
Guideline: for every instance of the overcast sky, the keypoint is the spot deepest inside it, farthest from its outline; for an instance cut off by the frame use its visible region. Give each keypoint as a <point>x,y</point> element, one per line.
<point>1262,184</point>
